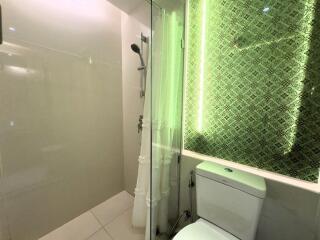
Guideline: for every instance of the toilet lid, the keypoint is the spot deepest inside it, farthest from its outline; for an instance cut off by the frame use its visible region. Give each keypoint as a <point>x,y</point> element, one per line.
<point>203,230</point>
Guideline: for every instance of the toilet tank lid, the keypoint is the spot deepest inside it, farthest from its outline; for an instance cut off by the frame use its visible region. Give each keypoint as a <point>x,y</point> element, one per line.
<point>243,181</point>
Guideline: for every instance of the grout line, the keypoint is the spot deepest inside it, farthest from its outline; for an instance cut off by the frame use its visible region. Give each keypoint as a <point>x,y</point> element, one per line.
<point>70,54</point>
<point>125,211</point>
<point>101,227</point>
<point>63,226</point>
<point>109,234</point>
<point>96,218</point>
<point>93,233</point>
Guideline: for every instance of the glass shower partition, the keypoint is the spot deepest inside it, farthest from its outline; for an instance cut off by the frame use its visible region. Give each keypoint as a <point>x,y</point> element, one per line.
<point>167,86</point>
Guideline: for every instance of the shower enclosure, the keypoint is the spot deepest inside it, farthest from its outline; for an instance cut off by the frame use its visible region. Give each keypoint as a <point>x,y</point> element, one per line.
<point>62,104</point>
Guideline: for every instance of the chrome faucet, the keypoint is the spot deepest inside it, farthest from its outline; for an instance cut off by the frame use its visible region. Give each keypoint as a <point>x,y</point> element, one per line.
<point>140,124</point>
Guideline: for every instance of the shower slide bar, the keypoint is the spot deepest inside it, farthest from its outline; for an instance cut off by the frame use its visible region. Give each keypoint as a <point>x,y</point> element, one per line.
<point>1,38</point>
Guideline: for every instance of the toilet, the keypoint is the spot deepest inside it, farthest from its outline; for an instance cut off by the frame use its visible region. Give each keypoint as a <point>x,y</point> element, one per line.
<point>229,203</point>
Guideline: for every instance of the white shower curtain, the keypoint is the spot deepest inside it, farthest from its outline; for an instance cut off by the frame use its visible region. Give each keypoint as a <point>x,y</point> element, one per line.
<point>166,106</point>
<point>142,191</point>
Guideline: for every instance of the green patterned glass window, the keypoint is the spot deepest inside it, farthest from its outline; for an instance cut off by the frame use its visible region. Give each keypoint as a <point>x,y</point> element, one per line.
<point>252,90</point>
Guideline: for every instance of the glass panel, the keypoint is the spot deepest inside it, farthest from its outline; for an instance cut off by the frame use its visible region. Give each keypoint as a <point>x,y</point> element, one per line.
<point>167,83</point>
<point>252,84</point>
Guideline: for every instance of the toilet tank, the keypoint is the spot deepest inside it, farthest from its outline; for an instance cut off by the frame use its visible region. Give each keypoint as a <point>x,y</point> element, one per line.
<point>229,198</point>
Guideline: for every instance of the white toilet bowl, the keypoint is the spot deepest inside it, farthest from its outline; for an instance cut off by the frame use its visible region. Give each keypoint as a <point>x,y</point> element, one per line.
<point>203,230</point>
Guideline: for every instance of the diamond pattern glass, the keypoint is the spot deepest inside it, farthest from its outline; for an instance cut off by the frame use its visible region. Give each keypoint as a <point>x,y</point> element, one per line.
<point>252,91</point>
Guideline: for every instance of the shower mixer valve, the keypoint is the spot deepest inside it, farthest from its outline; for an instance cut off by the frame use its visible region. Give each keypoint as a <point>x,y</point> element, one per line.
<point>140,123</point>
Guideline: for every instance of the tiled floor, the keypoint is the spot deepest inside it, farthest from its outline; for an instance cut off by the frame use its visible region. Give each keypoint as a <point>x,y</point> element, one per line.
<point>111,220</point>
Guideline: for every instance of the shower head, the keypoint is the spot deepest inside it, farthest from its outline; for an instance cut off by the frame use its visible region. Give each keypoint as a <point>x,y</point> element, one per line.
<point>135,48</point>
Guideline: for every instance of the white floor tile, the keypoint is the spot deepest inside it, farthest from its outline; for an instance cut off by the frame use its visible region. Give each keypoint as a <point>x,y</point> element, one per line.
<point>79,228</point>
<point>121,228</point>
<point>113,207</point>
<point>100,235</point>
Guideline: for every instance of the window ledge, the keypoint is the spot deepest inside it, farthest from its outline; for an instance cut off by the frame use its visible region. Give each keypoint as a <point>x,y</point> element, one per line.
<point>313,187</point>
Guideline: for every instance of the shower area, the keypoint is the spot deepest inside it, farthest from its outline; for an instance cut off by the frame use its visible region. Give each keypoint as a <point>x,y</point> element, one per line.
<point>81,89</point>
<point>70,101</point>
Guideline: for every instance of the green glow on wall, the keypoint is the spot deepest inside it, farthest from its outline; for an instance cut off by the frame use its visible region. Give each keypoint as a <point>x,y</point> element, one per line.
<point>202,64</point>
<point>252,83</point>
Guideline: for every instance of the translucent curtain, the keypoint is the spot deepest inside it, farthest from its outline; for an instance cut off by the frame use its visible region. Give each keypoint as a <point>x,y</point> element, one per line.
<point>164,93</point>
<point>166,110</point>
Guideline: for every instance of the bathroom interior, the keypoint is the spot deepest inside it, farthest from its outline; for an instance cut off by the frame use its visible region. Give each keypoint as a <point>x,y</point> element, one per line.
<point>159,119</point>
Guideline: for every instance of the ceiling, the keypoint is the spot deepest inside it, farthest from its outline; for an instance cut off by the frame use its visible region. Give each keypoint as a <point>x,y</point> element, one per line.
<point>129,5</point>
<point>126,5</point>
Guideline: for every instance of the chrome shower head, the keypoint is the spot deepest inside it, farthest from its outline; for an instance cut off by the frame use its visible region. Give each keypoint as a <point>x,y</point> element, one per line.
<point>136,49</point>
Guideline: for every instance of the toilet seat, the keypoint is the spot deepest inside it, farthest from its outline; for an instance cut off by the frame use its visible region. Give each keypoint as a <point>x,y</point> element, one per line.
<point>203,230</point>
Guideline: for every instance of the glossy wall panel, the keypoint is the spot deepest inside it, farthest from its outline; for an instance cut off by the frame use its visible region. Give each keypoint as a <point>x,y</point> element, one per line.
<point>60,112</point>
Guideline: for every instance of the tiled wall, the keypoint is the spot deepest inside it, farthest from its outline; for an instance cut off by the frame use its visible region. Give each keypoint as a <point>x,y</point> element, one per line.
<point>252,83</point>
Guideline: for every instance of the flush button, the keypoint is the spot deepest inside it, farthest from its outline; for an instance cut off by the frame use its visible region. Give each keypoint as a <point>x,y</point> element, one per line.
<point>228,170</point>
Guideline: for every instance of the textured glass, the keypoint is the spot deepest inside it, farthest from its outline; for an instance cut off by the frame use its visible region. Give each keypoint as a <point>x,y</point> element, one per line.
<point>166,124</point>
<point>252,84</point>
